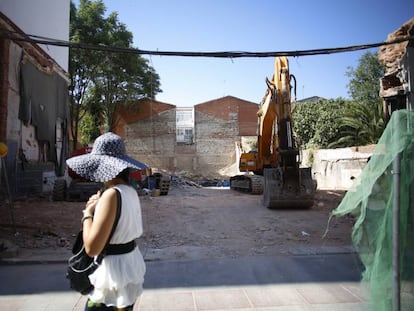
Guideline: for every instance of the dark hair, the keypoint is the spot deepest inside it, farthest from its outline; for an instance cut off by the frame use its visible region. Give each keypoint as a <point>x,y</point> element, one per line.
<point>124,175</point>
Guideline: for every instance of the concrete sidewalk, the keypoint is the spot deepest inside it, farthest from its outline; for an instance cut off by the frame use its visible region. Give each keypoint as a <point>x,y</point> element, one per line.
<point>301,282</point>
<point>288,297</point>
<point>313,279</point>
<point>310,296</point>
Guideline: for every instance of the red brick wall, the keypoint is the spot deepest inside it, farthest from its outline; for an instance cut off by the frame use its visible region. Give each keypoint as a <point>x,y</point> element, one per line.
<point>229,107</point>
<point>219,124</point>
<point>145,109</point>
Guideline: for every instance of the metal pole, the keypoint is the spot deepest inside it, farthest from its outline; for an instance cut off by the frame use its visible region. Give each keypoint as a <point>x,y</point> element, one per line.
<point>396,298</point>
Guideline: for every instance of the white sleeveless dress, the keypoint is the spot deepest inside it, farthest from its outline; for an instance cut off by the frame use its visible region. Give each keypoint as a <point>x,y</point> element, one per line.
<point>118,280</point>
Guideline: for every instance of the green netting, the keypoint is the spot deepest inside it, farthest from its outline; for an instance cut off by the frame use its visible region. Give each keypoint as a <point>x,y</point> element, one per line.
<point>370,200</point>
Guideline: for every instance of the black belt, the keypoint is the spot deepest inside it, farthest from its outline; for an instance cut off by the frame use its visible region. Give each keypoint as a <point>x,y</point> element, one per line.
<point>118,249</point>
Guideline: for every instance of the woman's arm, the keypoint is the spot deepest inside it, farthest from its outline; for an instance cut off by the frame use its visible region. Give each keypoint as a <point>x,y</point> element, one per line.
<point>96,231</point>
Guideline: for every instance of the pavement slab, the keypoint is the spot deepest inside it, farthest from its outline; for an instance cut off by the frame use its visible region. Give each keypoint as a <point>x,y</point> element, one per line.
<point>324,281</point>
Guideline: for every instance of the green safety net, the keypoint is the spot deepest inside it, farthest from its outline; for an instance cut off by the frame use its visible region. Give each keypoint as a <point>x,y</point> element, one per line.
<point>370,201</point>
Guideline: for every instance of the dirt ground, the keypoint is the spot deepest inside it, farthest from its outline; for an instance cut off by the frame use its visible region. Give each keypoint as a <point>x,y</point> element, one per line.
<point>190,223</point>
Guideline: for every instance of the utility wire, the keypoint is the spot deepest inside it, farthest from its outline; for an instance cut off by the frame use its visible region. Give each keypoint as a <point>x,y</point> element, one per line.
<point>234,54</point>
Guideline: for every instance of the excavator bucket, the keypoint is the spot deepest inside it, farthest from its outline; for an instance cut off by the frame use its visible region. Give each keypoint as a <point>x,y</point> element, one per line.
<point>288,189</point>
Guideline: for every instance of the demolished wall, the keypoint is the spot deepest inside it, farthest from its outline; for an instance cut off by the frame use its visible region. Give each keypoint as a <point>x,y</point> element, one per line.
<point>152,140</point>
<point>397,85</point>
<point>214,140</point>
<point>336,169</point>
<point>220,125</point>
<point>33,112</point>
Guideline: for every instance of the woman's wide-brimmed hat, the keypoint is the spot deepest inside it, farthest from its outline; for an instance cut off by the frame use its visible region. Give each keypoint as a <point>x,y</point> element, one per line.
<point>106,160</point>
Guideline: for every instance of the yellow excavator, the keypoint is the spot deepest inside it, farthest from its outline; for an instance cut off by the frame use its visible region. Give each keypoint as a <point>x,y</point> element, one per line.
<point>274,169</point>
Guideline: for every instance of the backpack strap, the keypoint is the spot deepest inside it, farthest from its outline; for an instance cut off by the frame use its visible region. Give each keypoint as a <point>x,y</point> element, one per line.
<point>117,216</point>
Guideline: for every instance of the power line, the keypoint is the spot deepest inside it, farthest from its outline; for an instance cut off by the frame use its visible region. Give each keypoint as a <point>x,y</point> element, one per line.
<point>228,54</point>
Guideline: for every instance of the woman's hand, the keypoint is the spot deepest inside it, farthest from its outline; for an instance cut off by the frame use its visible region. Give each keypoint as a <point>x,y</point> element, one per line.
<point>96,232</point>
<point>91,204</point>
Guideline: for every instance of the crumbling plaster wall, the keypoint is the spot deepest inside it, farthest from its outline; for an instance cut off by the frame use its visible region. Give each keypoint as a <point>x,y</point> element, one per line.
<point>150,135</point>
<point>13,98</point>
<point>152,140</point>
<point>336,168</point>
<point>28,167</point>
<point>397,84</point>
<point>220,125</point>
<point>185,158</point>
<point>19,136</point>
<point>13,132</point>
<point>214,140</point>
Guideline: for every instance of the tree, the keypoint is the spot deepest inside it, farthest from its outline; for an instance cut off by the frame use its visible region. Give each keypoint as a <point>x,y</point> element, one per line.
<point>345,123</point>
<point>327,127</point>
<point>362,121</point>
<point>88,128</point>
<point>85,26</point>
<point>103,81</point>
<point>360,125</point>
<point>124,80</point>
<point>316,123</point>
<point>364,84</point>
<point>305,116</point>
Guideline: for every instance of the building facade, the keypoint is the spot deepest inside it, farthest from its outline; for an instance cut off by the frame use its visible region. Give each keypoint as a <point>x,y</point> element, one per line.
<point>201,140</point>
<point>34,112</point>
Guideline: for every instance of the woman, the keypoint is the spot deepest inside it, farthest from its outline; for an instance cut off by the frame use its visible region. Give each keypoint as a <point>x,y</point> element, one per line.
<point>119,278</point>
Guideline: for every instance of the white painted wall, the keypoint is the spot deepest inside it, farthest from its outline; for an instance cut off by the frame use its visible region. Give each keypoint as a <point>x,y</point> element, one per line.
<point>337,168</point>
<point>46,18</point>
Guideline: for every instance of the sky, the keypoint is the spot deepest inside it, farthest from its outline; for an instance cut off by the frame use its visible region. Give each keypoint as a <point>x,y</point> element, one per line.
<point>255,26</point>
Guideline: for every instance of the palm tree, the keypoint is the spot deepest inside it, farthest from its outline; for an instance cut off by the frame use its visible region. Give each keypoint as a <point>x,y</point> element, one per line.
<point>361,124</point>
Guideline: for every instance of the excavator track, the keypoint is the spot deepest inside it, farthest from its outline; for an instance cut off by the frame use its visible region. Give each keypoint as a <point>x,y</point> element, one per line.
<point>247,183</point>
<point>256,184</point>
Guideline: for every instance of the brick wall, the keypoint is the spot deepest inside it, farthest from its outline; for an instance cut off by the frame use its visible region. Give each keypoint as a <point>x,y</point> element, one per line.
<point>152,140</point>
<point>214,139</point>
<point>220,124</point>
<point>150,135</point>
<point>230,108</point>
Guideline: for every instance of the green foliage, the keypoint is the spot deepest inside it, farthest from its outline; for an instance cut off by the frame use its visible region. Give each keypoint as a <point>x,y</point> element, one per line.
<point>364,84</point>
<point>88,128</point>
<point>305,116</point>
<point>345,123</point>
<point>104,78</point>
<point>362,121</point>
<point>316,123</point>
<point>327,128</point>
<point>360,125</point>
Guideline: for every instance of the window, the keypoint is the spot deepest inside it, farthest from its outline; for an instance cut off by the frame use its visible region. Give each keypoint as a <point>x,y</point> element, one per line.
<point>185,126</point>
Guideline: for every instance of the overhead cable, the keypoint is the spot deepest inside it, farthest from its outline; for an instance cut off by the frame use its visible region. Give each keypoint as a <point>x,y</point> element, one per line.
<point>228,54</point>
